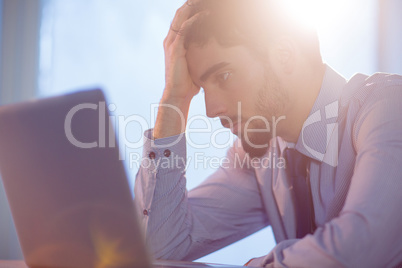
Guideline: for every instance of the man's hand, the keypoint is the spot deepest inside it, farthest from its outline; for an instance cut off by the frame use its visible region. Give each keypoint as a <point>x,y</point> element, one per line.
<point>179,87</point>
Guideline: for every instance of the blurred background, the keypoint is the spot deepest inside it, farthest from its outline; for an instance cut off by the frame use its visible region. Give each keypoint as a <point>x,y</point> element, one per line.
<point>49,47</point>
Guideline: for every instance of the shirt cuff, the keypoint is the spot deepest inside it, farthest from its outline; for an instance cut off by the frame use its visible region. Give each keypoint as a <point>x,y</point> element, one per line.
<point>165,154</point>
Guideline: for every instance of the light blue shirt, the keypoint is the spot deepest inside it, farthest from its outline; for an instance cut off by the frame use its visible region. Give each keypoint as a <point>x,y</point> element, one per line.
<point>354,138</point>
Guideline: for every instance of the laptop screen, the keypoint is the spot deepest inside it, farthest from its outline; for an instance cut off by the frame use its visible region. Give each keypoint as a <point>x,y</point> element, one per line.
<point>67,188</point>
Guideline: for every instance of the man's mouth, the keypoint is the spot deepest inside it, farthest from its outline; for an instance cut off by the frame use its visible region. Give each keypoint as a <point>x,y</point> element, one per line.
<point>235,128</point>
<point>227,123</point>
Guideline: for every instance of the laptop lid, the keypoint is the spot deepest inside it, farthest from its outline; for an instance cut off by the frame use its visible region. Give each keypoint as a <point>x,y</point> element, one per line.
<point>67,188</point>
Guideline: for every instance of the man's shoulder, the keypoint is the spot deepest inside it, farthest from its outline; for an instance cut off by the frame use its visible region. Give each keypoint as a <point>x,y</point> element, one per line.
<point>379,95</point>
<point>364,88</point>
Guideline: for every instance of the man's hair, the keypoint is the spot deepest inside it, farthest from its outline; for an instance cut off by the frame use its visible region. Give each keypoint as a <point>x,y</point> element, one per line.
<point>252,23</point>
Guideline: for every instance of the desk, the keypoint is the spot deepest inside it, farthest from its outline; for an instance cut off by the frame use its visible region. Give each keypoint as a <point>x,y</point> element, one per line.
<point>12,264</point>
<point>157,264</point>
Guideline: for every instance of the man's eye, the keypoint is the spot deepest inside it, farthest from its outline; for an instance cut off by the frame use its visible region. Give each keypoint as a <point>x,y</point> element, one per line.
<point>224,76</point>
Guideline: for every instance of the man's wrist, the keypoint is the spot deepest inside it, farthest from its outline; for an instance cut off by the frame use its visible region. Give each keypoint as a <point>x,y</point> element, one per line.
<point>183,103</point>
<point>172,117</point>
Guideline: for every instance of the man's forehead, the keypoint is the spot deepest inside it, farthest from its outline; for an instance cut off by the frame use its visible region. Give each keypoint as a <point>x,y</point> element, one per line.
<point>206,59</point>
<point>212,53</point>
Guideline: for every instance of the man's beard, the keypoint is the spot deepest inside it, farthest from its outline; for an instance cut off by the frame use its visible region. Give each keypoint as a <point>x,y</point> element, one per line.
<point>271,102</point>
<point>257,144</point>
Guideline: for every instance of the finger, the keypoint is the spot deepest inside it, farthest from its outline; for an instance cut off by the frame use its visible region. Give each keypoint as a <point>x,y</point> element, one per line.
<point>182,14</point>
<point>180,36</point>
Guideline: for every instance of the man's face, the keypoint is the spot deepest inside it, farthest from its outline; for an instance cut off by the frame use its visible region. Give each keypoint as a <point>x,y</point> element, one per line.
<point>241,90</point>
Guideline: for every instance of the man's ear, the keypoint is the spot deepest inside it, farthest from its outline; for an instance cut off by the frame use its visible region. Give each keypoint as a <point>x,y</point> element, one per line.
<point>283,53</point>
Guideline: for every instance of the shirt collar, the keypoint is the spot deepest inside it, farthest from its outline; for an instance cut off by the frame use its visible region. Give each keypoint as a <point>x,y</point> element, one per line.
<point>319,136</point>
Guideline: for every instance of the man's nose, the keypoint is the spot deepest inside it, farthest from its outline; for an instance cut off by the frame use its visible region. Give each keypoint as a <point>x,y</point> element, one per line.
<point>214,104</point>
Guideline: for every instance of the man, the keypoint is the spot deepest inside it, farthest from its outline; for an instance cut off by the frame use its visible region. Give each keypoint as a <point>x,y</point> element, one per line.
<point>337,202</point>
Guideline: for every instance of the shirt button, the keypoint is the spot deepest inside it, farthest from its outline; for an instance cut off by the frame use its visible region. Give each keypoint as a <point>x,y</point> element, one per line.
<point>145,212</point>
<point>166,153</point>
<point>151,155</point>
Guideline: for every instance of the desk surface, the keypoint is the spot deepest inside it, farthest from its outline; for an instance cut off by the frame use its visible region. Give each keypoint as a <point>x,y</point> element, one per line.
<point>12,264</point>
<point>157,264</point>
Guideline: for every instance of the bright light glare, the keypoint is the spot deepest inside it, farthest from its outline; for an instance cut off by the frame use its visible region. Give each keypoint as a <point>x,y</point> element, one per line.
<point>320,14</point>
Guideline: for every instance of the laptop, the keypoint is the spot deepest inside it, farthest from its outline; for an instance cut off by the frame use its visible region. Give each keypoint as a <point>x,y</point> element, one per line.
<point>67,189</point>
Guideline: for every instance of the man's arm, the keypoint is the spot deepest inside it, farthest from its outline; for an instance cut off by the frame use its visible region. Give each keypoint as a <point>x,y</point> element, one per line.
<point>225,208</point>
<point>179,87</point>
<point>185,225</point>
<point>367,232</point>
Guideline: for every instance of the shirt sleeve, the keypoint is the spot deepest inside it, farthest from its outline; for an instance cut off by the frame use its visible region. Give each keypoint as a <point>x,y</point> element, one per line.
<point>183,225</point>
<point>367,232</point>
